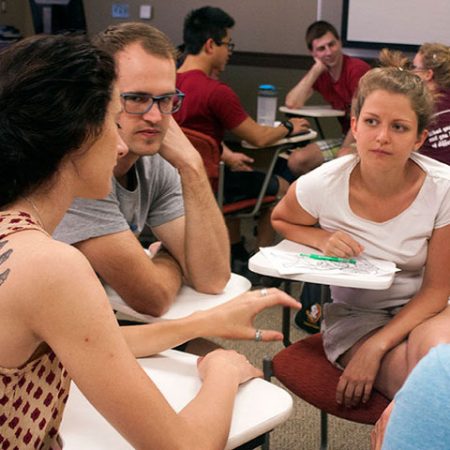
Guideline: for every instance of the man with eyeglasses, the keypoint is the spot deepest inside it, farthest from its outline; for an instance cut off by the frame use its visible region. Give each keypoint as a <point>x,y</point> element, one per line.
<point>161,182</point>
<point>212,107</point>
<point>335,76</point>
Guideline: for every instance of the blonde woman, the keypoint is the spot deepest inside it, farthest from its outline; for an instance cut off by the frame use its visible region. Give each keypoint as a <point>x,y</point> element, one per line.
<point>387,202</point>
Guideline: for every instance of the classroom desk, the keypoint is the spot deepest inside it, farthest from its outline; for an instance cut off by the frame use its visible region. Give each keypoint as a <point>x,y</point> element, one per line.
<point>187,301</point>
<point>266,157</point>
<point>314,111</point>
<point>259,406</point>
<point>261,264</point>
<point>287,141</point>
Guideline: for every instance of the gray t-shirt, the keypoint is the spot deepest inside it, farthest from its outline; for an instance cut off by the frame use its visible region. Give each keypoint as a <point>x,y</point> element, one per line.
<point>156,200</point>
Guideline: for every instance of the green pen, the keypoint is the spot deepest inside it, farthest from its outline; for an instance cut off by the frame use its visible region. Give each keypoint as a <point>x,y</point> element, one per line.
<point>328,258</point>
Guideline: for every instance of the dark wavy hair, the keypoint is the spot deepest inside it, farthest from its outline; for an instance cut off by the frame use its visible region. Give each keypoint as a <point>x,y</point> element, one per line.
<point>54,94</point>
<point>203,24</point>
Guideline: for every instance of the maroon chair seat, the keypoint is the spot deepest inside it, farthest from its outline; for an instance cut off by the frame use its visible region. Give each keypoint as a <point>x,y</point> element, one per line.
<point>229,208</point>
<point>304,369</point>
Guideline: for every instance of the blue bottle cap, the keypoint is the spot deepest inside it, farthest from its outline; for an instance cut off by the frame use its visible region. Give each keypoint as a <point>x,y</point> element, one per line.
<point>267,87</point>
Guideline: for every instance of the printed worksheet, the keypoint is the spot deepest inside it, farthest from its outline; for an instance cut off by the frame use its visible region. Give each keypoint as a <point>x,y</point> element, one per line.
<point>291,263</point>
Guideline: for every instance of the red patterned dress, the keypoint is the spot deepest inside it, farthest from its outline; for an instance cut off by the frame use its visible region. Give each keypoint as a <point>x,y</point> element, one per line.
<point>32,397</point>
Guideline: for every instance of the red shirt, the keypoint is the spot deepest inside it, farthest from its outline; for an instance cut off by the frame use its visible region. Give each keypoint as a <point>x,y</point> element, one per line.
<point>339,94</point>
<point>209,106</point>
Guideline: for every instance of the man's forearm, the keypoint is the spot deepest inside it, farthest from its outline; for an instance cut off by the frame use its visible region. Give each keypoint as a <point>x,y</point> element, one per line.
<point>301,92</point>
<point>207,248</point>
<point>152,291</point>
<point>204,253</point>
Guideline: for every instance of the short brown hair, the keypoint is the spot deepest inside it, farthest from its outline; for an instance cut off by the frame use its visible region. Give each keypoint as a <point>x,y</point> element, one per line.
<point>116,37</point>
<point>318,29</point>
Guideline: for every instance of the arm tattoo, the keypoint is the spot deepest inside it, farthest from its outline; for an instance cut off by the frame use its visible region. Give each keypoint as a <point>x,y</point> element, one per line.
<point>4,276</point>
<point>3,258</point>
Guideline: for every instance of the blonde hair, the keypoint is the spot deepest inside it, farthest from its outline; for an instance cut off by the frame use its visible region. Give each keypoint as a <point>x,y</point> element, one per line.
<point>437,58</point>
<point>393,58</point>
<point>116,37</point>
<point>398,81</point>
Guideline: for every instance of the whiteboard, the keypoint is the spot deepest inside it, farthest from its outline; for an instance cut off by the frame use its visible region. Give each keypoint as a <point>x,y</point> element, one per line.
<point>395,23</point>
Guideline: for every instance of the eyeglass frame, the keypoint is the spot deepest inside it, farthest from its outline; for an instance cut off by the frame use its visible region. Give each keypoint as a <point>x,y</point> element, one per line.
<point>153,98</point>
<point>230,45</point>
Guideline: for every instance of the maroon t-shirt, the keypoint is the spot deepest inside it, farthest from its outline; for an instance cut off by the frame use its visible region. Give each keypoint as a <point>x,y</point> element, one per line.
<point>437,144</point>
<point>209,106</point>
<point>339,94</point>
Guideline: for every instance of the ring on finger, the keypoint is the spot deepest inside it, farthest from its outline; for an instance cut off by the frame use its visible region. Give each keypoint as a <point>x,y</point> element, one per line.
<point>264,292</point>
<point>258,335</point>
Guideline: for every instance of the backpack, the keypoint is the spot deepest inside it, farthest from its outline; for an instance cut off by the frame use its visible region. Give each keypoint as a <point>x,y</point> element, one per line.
<point>309,317</point>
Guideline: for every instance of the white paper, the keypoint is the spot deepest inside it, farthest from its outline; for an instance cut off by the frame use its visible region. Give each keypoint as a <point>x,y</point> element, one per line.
<point>291,263</point>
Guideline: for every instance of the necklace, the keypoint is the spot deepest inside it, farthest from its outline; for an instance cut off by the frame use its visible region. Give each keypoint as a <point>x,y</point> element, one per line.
<point>35,209</point>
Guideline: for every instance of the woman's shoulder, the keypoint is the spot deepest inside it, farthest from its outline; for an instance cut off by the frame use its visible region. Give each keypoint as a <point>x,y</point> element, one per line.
<point>36,260</point>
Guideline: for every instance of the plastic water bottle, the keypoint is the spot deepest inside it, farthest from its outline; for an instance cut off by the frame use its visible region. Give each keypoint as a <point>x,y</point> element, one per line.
<point>267,104</point>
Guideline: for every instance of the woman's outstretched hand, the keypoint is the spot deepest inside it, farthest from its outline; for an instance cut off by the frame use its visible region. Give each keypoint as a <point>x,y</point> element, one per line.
<point>234,319</point>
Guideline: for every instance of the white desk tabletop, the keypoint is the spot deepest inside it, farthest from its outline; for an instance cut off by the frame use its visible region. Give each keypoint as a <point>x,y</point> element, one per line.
<point>259,406</point>
<point>261,264</point>
<point>289,140</point>
<point>187,301</point>
<point>313,111</point>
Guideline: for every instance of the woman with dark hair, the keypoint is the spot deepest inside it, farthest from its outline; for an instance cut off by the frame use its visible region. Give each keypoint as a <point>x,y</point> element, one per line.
<point>59,140</point>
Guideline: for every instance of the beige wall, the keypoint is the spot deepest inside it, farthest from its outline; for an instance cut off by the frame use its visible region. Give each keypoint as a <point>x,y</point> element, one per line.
<point>271,26</point>
<point>268,26</point>
<point>18,15</point>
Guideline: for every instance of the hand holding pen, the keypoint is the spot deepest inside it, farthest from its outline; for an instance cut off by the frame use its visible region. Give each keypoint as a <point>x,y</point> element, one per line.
<point>342,245</point>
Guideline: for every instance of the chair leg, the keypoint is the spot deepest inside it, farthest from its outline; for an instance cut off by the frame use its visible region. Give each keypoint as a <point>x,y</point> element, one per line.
<point>287,286</point>
<point>266,443</point>
<point>286,326</point>
<point>323,430</point>
<point>268,372</point>
<point>267,368</point>
<point>286,317</point>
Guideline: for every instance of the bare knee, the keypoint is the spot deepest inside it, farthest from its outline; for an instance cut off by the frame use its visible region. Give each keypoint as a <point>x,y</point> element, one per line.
<point>305,159</point>
<point>424,337</point>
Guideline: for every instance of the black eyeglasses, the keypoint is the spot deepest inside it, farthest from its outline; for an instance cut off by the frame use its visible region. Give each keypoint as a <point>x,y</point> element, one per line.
<point>141,103</point>
<point>230,45</point>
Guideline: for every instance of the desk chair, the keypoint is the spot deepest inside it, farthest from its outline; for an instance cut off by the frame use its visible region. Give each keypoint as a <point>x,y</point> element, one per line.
<point>304,369</point>
<point>210,152</point>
